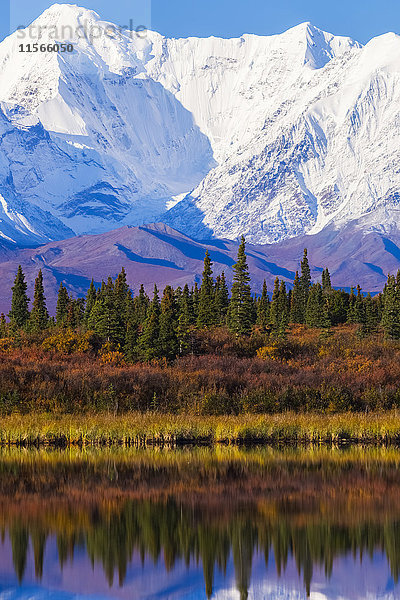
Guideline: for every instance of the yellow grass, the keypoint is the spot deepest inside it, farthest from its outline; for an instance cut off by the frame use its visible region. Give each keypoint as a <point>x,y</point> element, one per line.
<point>153,428</point>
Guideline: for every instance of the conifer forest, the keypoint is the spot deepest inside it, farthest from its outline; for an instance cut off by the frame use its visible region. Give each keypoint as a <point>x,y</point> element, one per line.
<point>204,350</point>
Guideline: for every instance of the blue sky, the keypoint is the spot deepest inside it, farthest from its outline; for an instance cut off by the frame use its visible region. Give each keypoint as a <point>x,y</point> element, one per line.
<point>360,19</point>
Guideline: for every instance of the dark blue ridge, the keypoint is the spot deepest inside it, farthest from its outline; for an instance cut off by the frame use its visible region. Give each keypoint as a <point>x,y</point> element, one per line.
<point>375,268</point>
<point>70,279</point>
<point>391,248</point>
<point>272,267</point>
<point>156,262</point>
<point>192,251</point>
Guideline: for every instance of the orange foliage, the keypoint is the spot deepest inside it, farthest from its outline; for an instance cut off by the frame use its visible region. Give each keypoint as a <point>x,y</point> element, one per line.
<point>303,372</point>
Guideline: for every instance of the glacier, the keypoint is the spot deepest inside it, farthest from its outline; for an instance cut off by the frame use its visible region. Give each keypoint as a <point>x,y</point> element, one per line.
<point>273,137</point>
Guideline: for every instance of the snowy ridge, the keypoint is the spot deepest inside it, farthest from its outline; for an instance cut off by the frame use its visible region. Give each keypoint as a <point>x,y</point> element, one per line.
<point>324,151</point>
<point>272,137</point>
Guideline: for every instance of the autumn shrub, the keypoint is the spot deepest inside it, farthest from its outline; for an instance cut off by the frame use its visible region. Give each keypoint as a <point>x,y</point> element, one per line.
<point>340,374</point>
<point>271,351</point>
<point>219,403</point>
<point>7,345</point>
<point>260,401</point>
<point>220,342</point>
<point>68,341</point>
<point>111,355</point>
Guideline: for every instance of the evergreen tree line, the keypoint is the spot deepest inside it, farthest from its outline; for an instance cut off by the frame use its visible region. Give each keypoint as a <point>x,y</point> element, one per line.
<point>144,328</point>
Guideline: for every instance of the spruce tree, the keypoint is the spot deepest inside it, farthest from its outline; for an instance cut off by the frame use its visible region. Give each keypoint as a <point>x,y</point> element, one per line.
<point>96,316</point>
<point>195,301</point>
<point>91,297</point>
<point>75,313</point>
<point>263,306</point>
<point>253,309</point>
<point>102,291</point>
<point>178,295</point>
<point>240,313</point>
<point>283,309</point>
<point>326,281</point>
<point>323,281</point>
<point>168,339</point>
<point>274,315</point>
<point>378,303</point>
<point>149,341</point>
<point>316,312</point>
<point>325,321</point>
<point>279,311</point>
<point>351,315</point>
<point>337,306</point>
<point>105,318</point>
<point>141,303</point>
<point>296,301</point>
<point>289,301</point>
<point>121,290</point>
<point>305,282</point>
<point>371,316</point>
<point>19,313</point>
<point>185,320</point>
<point>114,313</point>
<point>39,316</point>
<point>206,314</point>
<point>391,310</point>
<point>62,305</point>
<point>131,328</point>
<point>359,308</point>
<point>3,326</point>
<point>183,332</point>
<point>221,299</point>
<point>186,305</point>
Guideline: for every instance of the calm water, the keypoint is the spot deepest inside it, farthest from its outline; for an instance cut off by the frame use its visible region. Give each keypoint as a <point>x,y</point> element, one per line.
<point>193,524</point>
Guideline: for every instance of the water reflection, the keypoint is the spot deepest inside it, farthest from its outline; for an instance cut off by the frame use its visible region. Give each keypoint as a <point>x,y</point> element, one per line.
<point>223,524</point>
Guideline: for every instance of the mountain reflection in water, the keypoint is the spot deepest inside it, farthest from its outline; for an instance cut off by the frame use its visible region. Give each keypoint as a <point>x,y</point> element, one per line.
<point>220,523</point>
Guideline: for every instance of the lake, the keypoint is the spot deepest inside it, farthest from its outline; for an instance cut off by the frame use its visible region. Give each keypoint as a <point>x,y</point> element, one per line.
<point>219,522</point>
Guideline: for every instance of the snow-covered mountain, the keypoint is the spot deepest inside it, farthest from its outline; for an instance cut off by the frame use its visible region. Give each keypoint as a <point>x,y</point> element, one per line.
<point>89,136</point>
<point>315,139</point>
<point>273,137</point>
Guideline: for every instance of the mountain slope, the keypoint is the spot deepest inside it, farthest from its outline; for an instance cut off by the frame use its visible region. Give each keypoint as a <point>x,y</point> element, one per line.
<point>150,254</point>
<point>158,254</point>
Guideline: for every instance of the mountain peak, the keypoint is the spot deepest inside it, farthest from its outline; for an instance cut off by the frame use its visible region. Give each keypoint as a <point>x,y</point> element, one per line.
<point>66,14</point>
<point>30,78</point>
<point>303,27</point>
<point>319,46</point>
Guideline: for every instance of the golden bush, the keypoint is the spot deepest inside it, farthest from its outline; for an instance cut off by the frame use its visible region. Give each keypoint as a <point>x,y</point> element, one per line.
<point>111,354</point>
<point>7,345</point>
<point>269,352</point>
<point>68,341</point>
